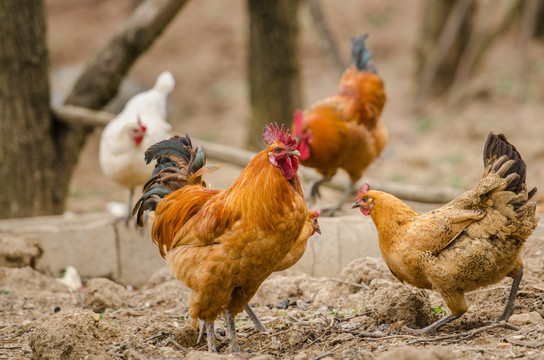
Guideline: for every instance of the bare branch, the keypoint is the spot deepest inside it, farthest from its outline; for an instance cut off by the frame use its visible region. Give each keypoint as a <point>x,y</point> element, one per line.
<point>76,115</point>
<point>100,80</point>
<point>73,115</point>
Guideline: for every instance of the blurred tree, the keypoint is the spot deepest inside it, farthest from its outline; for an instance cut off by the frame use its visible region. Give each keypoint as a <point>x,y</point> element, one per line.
<point>445,30</point>
<point>38,150</point>
<point>27,149</point>
<point>539,26</point>
<point>274,82</point>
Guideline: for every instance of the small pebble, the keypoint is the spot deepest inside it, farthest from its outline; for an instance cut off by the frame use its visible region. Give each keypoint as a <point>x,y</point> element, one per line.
<point>527,318</point>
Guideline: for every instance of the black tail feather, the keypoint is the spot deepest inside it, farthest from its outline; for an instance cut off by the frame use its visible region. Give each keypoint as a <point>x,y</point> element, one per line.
<point>361,55</point>
<point>176,160</point>
<point>497,146</point>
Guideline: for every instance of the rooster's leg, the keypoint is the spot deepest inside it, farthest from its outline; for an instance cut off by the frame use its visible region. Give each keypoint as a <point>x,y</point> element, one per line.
<point>210,336</point>
<point>429,329</point>
<point>313,190</point>
<point>347,193</point>
<point>201,329</point>
<point>231,328</point>
<point>256,321</point>
<point>509,309</point>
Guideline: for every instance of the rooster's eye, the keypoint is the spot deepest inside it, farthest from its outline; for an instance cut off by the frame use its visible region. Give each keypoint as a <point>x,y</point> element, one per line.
<point>277,150</point>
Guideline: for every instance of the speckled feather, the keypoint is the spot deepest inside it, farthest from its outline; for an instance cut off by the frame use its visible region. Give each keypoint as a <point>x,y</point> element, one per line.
<point>473,241</point>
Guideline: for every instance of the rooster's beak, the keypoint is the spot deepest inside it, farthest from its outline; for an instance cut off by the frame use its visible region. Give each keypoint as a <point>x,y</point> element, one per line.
<point>294,153</point>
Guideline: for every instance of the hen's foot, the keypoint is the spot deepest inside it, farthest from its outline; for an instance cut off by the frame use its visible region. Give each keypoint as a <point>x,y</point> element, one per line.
<point>433,327</point>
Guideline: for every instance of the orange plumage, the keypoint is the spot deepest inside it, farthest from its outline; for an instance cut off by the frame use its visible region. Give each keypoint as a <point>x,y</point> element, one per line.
<point>224,243</point>
<point>345,131</point>
<point>311,226</point>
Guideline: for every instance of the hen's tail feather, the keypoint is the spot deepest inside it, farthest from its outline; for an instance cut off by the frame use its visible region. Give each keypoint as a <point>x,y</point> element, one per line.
<point>178,164</point>
<point>361,55</point>
<point>497,146</point>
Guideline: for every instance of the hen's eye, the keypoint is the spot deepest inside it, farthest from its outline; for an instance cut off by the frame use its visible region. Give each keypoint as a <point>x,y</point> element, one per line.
<point>365,199</point>
<point>277,150</point>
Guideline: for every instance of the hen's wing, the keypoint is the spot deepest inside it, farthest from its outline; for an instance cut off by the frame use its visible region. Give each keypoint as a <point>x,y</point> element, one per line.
<point>438,228</point>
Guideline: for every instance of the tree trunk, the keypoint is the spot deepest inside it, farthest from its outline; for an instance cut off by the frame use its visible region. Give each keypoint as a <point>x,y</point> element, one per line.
<point>274,82</point>
<point>435,16</point>
<point>539,26</point>
<point>26,146</point>
<point>38,153</point>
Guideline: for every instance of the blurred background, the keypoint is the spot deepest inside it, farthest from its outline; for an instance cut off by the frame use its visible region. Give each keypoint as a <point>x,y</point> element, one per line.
<point>453,70</point>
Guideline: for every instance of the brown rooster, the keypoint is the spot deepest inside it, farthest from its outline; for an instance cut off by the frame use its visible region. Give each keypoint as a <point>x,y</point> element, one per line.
<point>344,131</point>
<point>471,242</point>
<point>224,243</point>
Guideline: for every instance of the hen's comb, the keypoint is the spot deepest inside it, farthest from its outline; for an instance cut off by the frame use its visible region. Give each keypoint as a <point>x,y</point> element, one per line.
<point>140,123</point>
<point>363,189</point>
<point>272,133</point>
<point>316,213</point>
<point>297,121</point>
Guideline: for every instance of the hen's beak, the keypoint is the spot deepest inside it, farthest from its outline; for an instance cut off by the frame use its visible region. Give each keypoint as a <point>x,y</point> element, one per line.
<point>294,153</point>
<point>355,205</point>
<point>318,230</point>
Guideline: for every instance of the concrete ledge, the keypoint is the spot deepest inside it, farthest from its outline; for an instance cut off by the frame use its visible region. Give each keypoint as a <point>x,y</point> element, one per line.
<point>96,246</point>
<point>92,243</point>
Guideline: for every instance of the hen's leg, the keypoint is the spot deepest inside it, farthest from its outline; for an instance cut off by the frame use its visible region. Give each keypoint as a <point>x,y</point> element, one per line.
<point>313,190</point>
<point>258,324</point>
<point>231,329</point>
<point>210,336</point>
<point>457,305</point>
<point>509,309</point>
<point>434,326</point>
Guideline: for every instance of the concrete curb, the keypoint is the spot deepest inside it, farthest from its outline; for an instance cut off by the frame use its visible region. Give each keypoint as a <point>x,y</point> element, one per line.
<point>97,246</point>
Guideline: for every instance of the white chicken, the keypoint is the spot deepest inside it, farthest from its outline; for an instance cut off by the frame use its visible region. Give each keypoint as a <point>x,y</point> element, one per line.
<point>126,138</point>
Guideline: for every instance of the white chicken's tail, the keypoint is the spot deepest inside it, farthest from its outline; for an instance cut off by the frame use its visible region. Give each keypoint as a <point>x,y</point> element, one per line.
<point>165,83</point>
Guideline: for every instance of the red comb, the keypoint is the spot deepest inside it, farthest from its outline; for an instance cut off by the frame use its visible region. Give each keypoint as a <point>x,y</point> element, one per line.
<point>316,213</point>
<point>140,123</point>
<point>272,133</point>
<point>297,121</point>
<point>363,189</point>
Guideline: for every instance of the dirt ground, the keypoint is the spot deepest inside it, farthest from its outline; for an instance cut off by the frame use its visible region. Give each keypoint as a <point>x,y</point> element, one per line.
<point>307,318</point>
